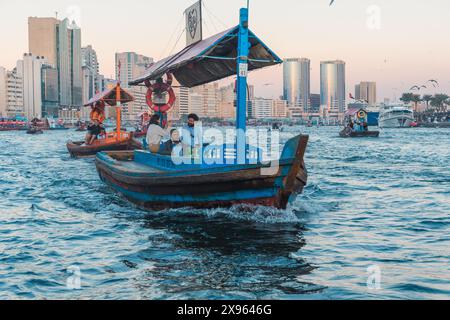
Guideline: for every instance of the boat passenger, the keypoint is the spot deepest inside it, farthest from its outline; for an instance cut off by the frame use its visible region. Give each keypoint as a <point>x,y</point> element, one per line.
<point>168,146</point>
<point>155,133</point>
<point>191,134</point>
<point>94,129</point>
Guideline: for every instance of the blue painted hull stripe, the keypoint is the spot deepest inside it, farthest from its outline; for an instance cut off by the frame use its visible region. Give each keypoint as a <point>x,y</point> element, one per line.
<point>226,196</point>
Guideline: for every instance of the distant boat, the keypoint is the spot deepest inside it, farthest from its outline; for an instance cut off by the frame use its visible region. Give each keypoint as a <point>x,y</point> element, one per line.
<point>112,141</point>
<point>35,131</point>
<point>362,134</point>
<point>396,116</point>
<point>357,125</point>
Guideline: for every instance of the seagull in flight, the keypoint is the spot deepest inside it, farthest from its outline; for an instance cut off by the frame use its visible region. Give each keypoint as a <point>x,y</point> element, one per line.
<point>434,82</point>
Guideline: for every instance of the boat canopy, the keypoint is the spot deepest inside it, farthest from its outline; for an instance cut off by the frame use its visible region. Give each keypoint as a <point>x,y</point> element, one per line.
<point>109,96</point>
<point>212,59</point>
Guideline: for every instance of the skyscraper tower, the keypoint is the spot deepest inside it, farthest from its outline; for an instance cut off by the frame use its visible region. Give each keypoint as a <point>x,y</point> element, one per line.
<point>367,91</point>
<point>59,42</point>
<point>332,86</point>
<point>297,82</point>
<point>132,66</point>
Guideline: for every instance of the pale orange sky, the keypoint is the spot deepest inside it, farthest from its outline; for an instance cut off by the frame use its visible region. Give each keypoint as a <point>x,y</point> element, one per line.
<point>409,47</point>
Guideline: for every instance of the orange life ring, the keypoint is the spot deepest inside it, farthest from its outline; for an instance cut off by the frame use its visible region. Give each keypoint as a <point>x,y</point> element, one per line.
<point>161,87</point>
<point>361,114</point>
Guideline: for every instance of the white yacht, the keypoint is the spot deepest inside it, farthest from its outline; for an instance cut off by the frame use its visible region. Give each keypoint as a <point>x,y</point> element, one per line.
<point>396,116</point>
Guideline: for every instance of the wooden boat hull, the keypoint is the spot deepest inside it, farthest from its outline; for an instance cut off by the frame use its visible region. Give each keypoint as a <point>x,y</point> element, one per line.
<point>80,150</point>
<point>366,134</point>
<point>158,189</point>
<point>35,132</point>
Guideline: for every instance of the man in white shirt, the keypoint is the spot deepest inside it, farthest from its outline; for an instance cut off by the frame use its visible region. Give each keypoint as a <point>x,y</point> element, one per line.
<point>155,134</point>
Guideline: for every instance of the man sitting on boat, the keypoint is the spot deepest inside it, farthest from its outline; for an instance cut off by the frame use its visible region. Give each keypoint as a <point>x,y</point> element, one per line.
<point>155,134</point>
<point>191,135</point>
<point>96,126</point>
<point>168,146</point>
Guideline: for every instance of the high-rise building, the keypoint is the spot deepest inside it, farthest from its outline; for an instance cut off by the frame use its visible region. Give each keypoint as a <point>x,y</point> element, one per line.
<point>132,66</point>
<point>279,109</point>
<point>315,103</point>
<point>269,108</point>
<point>181,106</point>
<point>367,91</point>
<point>196,103</point>
<point>31,68</point>
<point>92,81</point>
<point>59,42</point>
<point>262,108</point>
<point>3,92</point>
<point>43,38</point>
<point>210,95</point>
<point>297,82</point>
<point>227,93</point>
<point>132,110</point>
<point>50,105</point>
<point>89,59</point>
<point>332,87</point>
<point>227,110</point>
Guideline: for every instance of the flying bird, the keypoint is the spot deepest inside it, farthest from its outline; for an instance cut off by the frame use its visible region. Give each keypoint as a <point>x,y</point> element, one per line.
<point>434,82</point>
<point>415,88</point>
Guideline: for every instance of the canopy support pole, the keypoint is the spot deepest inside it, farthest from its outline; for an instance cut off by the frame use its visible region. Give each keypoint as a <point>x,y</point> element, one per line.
<point>242,71</point>
<point>118,113</point>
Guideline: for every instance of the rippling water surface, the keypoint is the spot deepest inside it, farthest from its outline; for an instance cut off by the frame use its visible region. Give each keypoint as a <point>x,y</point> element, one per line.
<point>371,202</point>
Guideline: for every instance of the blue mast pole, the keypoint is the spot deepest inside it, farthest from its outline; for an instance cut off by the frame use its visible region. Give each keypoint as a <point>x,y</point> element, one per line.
<point>242,71</point>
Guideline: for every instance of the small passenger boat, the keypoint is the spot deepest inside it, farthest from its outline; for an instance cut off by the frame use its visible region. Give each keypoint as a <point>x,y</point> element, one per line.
<point>118,140</point>
<point>35,131</point>
<point>218,175</point>
<point>357,125</point>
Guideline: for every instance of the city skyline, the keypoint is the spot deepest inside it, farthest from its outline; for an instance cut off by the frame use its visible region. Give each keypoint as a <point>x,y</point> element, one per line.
<point>386,55</point>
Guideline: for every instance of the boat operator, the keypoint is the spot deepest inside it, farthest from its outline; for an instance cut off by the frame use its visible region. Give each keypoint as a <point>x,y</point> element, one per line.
<point>95,127</point>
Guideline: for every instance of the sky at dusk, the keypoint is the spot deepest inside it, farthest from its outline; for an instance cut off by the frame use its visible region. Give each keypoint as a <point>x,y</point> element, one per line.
<point>397,43</point>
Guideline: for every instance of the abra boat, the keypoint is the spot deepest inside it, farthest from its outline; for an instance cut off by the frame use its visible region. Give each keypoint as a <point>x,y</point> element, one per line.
<point>35,131</point>
<point>361,134</point>
<point>357,125</point>
<point>118,140</point>
<point>211,178</point>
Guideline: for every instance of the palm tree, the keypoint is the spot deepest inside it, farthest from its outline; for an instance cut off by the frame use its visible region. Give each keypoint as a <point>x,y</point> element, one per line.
<point>407,98</point>
<point>416,99</point>
<point>438,102</point>
<point>427,98</point>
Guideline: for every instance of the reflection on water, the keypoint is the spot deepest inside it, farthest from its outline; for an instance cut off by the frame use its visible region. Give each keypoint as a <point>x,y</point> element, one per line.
<point>247,258</point>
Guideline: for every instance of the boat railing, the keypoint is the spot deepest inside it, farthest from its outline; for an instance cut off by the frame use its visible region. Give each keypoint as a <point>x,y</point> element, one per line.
<point>208,157</point>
